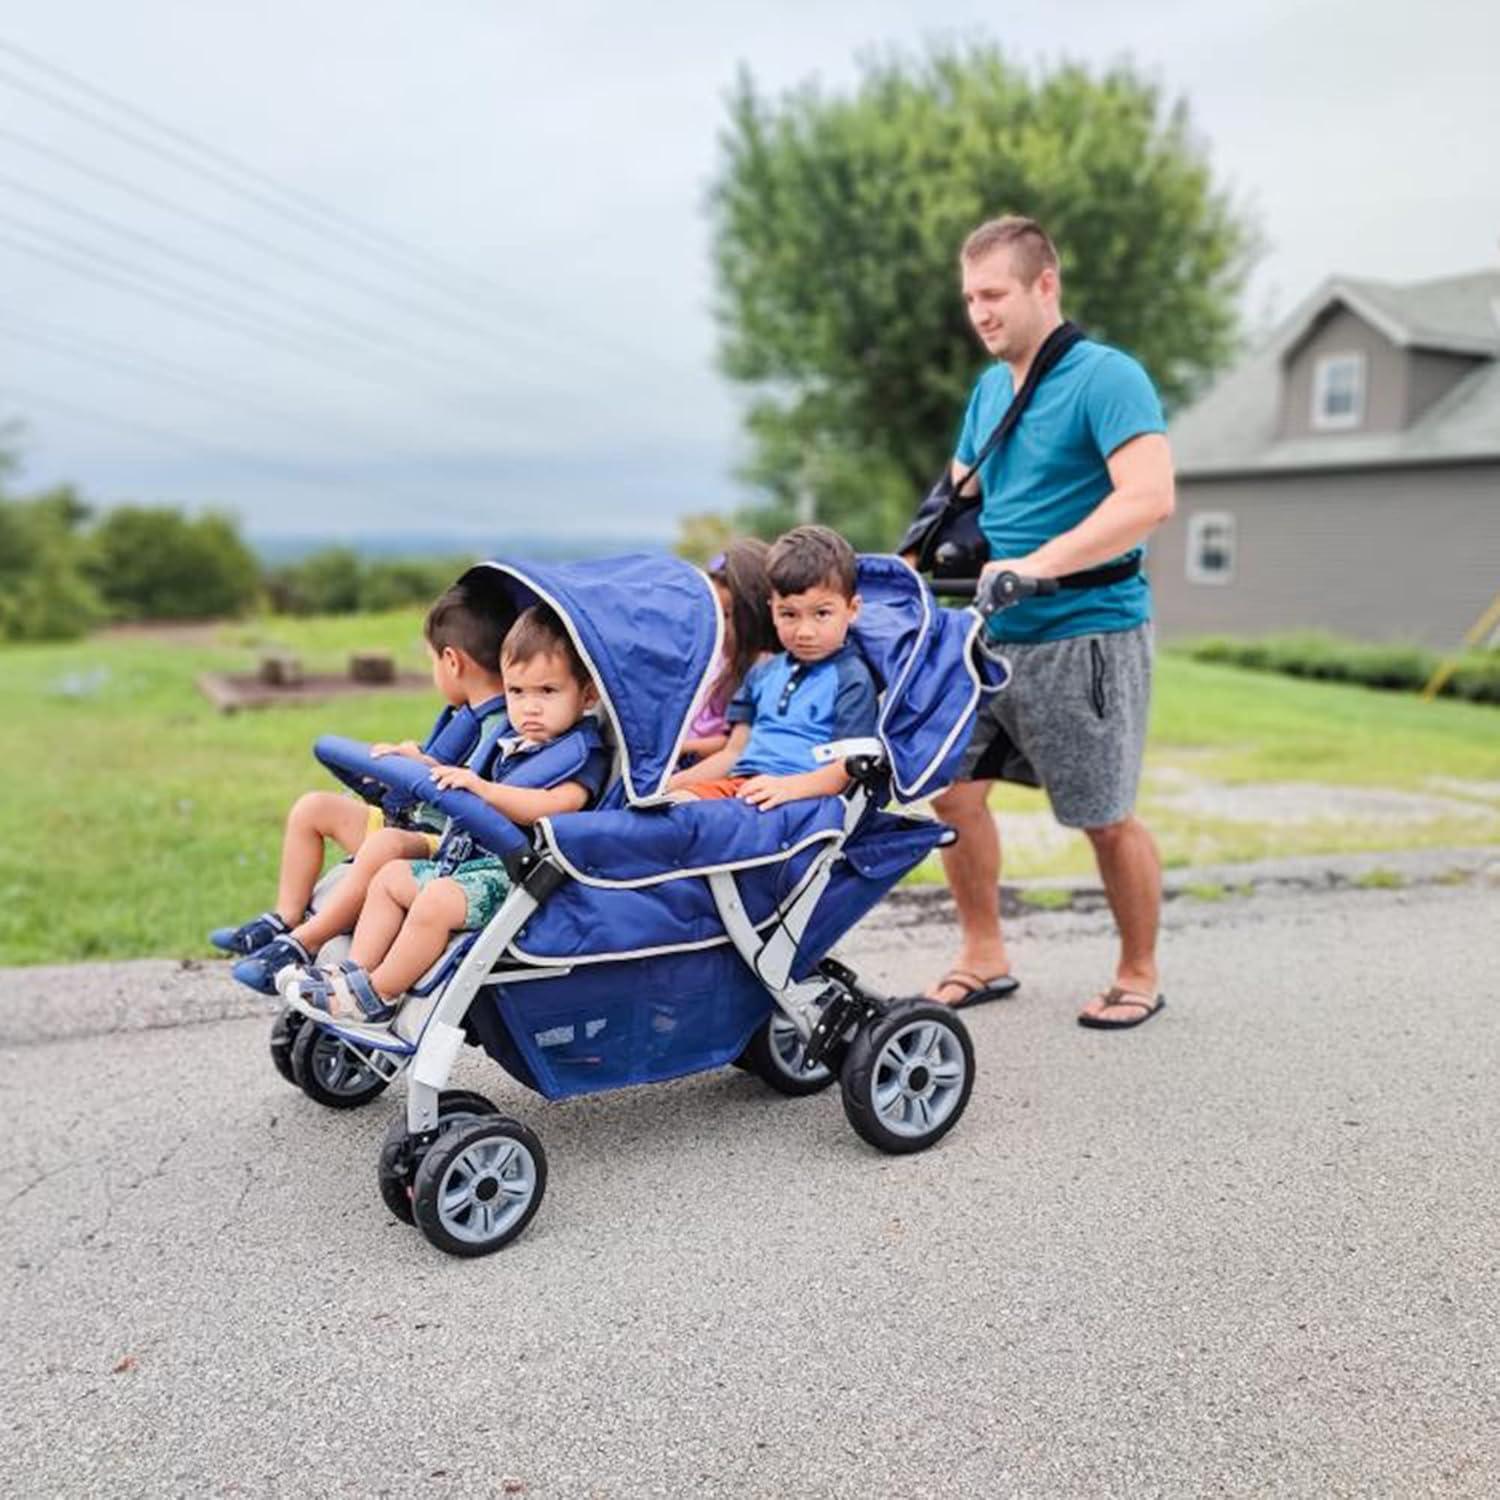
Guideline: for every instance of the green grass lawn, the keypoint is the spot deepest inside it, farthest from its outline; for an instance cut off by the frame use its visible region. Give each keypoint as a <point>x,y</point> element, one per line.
<point>136,817</point>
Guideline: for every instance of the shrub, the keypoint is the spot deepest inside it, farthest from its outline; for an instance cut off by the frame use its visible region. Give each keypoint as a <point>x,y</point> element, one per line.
<point>1397,666</point>
<point>154,563</point>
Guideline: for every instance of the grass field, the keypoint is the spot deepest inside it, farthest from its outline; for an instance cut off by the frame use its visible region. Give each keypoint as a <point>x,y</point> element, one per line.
<point>135,817</point>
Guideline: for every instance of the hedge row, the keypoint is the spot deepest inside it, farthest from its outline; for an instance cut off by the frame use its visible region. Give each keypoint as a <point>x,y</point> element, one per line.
<point>1395,667</point>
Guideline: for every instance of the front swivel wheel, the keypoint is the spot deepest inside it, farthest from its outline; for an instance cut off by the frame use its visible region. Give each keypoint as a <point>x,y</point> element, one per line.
<point>334,1072</point>
<point>478,1187</point>
<point>908,1076</point>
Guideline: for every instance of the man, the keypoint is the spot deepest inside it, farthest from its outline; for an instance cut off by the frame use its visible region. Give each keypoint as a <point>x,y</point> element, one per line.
<point>1080,482</point>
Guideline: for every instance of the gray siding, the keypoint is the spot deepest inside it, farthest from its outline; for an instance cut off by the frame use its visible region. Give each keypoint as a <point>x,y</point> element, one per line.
<point>1380,555</point>
<point>1341,332</point>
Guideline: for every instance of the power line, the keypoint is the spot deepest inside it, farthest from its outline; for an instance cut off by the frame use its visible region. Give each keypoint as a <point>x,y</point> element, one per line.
<point>294,205</point>
<point>57,251</point>
<point>411,506</point>
<point>244,238</point>
<point>102,353</point>
<point>83,261</point>
<point>347,327</point>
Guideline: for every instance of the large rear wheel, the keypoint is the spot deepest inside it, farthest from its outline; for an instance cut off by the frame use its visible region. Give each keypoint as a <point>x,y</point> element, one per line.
<point>908,1075</point>
<point>776,1054</point>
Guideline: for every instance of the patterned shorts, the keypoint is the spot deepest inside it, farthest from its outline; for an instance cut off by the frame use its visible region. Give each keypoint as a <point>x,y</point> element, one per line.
<point>484,883</point>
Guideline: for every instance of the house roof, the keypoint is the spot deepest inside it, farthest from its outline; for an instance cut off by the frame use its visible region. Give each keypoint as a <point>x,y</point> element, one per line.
<point>1234,428</point>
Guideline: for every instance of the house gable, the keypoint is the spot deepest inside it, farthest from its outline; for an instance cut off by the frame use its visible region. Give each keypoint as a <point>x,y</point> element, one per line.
<point>1421,363</point>
<point>1395,382</point>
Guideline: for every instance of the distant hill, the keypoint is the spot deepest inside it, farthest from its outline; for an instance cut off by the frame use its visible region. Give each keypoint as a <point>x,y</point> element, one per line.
<point>277,549</point>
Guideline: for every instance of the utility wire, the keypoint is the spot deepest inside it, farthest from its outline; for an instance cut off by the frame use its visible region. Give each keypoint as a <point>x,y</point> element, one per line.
<point>58,250</point>
<point>410,506</point>
<point>243,238</point>
<point>122,359</point>
<point>308,212</point>
<point>319,312</point>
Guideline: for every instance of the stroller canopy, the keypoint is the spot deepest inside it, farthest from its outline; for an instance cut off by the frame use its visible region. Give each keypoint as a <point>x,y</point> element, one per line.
<point>648,628</point>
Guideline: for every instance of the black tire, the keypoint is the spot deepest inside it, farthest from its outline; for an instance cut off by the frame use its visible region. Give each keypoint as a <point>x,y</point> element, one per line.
<point>774,1053</point>
<point>400,1156</point>
<point>328,1071</point>
<point>474,1159</point>
<point>923,1049</point>
<point>284,1031</point>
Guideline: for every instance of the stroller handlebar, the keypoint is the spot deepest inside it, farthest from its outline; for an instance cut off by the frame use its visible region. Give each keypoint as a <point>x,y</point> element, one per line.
<point>351,761</point>
<point>997,591</point>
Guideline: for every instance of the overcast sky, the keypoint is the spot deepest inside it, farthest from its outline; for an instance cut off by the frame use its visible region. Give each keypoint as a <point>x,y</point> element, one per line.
<point>508,329</point>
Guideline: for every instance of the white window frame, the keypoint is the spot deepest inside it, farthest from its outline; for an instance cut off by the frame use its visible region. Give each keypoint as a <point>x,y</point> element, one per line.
<point>1323,380</point>
<point>1198,524</point>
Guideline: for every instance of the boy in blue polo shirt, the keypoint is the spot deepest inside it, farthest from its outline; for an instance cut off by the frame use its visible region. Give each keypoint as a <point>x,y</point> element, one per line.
<point>816,689</point>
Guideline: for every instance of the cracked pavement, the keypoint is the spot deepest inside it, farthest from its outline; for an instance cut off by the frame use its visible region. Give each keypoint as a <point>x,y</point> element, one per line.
<point>1250,1249</point>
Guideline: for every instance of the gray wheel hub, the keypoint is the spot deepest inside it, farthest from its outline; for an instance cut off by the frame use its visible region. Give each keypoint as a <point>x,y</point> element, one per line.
<point>918,1078</point>
<point>485,1189</point>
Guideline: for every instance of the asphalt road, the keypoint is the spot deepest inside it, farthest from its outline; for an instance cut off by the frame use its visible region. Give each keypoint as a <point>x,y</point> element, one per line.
<point>1250,1249</point>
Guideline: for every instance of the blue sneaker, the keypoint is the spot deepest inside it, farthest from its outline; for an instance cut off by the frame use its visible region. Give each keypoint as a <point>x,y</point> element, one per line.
<point>260,969</point>
<point>249,937</point>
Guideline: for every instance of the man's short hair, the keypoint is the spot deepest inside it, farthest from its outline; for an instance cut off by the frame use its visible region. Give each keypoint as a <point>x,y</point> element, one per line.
<point>807,556</point>
<point>1031,251</point>
<point>457,620</point>
<point>539,632</point>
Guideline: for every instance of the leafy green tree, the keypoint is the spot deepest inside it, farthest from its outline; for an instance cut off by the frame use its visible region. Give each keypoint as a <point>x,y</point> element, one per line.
<point>154,563</point>
<point>326,582</point>
<point>837,222</point>
<point>44,593</point>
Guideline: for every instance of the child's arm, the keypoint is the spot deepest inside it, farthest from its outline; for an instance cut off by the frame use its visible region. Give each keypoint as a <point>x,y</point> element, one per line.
<point>721,763</point>
<point>521,804</point>
<point>766,792</point>
<point>705,745</point>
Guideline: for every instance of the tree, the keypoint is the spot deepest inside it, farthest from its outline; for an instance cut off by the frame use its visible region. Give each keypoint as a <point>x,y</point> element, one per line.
<point>837,222</point>
<point>157,564</point>
<point>44,595</point>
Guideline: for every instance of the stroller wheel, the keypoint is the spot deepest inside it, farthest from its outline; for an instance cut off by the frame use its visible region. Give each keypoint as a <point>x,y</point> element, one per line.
<point>401,1155</point>
<point>774,1054</point>
<point>331,1071</point>
<point>908,1075</point>
<point>478,1187</point>
<point>284,1031</point>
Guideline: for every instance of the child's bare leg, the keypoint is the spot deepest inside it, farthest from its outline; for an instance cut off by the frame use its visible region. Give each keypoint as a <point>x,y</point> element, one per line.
<point>391,894</point>
<point>342,908</point>
<point>315,816</point>
<point>437,912</point>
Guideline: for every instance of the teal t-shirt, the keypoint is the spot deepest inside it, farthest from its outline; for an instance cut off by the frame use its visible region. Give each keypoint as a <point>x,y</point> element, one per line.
<point>1052,471</point>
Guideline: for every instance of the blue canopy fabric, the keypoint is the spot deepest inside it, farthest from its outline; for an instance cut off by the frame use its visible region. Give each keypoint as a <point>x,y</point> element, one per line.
<point>931,671</point>
<point>649,630</point>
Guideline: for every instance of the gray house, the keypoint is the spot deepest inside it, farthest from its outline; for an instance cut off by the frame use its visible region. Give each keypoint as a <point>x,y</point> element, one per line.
<point>1345,477</point>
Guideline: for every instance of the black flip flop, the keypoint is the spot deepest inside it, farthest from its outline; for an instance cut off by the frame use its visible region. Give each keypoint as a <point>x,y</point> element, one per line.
<point>977,992</point>
<point>1114,995</point>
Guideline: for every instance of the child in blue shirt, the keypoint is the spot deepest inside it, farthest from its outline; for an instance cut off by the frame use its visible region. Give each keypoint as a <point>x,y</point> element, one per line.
<point>816,689</point>
<point>554,763</point>
<point>463,639</point>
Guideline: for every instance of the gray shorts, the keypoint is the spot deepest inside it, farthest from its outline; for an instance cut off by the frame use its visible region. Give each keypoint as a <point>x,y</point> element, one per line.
<point>1072,720</point>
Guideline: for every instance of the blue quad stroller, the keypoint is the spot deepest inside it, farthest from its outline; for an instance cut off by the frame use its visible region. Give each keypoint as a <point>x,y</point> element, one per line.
<point>645,940</point>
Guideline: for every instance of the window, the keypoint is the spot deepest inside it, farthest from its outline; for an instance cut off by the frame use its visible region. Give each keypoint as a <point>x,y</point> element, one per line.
<point>1210,547</point>
<point>1338,391</point>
